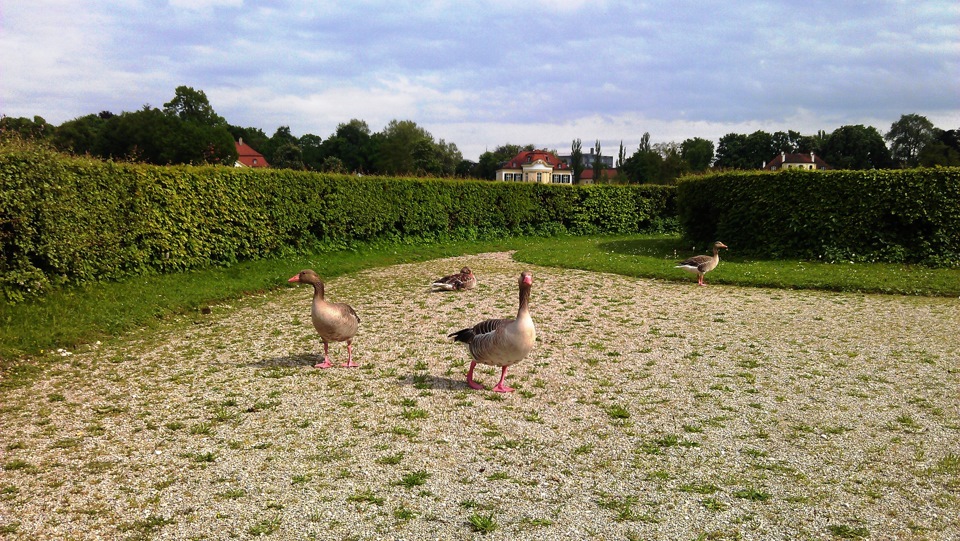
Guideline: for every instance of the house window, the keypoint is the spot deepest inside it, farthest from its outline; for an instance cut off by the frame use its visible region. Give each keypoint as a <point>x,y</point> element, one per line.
<point>539,177</point>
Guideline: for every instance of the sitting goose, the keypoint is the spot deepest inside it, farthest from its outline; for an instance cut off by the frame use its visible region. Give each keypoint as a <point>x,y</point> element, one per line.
<point>702,264</point>
<point>464,279</point>
<point>501,342</point>
<point>334,321</point>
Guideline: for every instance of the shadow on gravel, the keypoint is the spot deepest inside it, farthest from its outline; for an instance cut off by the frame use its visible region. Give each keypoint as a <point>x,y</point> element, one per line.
<point>440,383</point>
<point>289,361</point>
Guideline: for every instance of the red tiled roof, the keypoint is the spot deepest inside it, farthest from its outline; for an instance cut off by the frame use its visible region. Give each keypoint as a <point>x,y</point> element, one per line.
<point>249,157</point>
<point>530,156</point>
<point>587,174</point>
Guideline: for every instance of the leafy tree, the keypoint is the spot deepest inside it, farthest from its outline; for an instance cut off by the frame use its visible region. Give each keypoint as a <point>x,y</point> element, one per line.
<point>35,128</point>
<point>643,166</point>
<point>396,153</point>
<point>79,135</point>
<point>908,136</point>
<point>738,151</point>
<point>288,156</point>
<point>490,161</point>
<point>576,160</point>
<point>192,105</point>
<point>597,164</point>
<point>280,138</point>
<point>153,136</point>
<point>465,169</point>
<point>310,146</point>
<point>352,144</point>
<point>698,153</point>
<point>943,151</point>
<point>856,147</point>
<point>788,141</point>
<point>333,164</point>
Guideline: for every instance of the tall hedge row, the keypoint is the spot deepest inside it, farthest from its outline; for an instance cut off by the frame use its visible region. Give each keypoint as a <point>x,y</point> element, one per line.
<point>899,216</point>
<point>69,220</point>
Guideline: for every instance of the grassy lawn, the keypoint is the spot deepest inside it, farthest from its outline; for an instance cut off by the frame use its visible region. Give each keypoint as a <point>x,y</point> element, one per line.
<point>66,318</point>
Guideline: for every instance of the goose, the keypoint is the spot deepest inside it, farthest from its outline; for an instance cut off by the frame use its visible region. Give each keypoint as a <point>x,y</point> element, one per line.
<point>501,342</point>
<point>334,321</point>
<point>465,279</point>
<point>702,264</point>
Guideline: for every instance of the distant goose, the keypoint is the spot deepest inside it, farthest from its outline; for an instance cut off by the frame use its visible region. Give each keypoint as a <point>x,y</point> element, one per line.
<point>465,279</point>
<point>501,342</point>
<point>702,264</point>
<point>335,322</point>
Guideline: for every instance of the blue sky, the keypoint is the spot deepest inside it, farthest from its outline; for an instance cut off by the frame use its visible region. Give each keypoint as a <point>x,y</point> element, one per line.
<point>482,74</point>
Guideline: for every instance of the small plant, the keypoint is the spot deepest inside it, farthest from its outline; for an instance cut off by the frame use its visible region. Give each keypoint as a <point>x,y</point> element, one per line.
<point>848,532</point>
<point>200,429</point>
<point>414,479</point>
<point>617,411</point>
<point>752,495</point>
<point>264,527</point>
<point>391,460</point>
<point>482,523</point>
<point>367,496</point>
<point>402,513</point>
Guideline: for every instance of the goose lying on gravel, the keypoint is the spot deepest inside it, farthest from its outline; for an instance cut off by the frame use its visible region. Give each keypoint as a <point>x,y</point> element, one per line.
<point>702,264</point>
<point>501,342</point>
<point>465,279</point>
<point>334,321</point>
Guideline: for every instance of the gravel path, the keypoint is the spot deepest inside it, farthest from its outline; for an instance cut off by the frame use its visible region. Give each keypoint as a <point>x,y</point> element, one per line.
<point>648,410</point>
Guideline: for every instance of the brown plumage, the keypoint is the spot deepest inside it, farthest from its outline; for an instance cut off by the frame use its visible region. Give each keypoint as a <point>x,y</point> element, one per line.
<point>334,321</point>
<point>702,264</point>
<point>501,342</point>
<point>465,279</point>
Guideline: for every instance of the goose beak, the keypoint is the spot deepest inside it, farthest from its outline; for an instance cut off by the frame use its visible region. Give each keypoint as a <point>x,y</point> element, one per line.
<point>296,278</point>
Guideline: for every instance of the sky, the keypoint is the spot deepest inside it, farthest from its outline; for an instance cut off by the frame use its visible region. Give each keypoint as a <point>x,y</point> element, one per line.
<point>482,74</point>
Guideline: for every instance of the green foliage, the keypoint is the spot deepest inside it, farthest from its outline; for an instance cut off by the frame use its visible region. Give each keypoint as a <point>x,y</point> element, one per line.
<point>895,216</point>
<point>70,220</point>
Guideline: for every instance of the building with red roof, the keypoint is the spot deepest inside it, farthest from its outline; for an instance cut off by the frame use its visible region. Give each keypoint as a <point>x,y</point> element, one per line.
<point>810,162</point>
<point>535,166</point>
<point>247,157</point>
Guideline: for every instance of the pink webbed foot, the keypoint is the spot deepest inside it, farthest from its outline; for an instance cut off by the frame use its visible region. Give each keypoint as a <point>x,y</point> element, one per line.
<point>501,388</point>
<point>325,364</point>
<point>349,364</point>
<point>470,383</point>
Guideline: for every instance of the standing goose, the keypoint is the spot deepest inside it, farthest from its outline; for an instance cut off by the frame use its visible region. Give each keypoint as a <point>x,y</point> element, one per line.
<point>464,279</point>
<point>501,342</point>
<point>334,321</point>
<point>702,264</point>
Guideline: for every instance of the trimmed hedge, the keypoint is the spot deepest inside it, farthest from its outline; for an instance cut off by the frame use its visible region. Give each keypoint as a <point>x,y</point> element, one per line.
<point>896,216</point>
<point>67,220</point>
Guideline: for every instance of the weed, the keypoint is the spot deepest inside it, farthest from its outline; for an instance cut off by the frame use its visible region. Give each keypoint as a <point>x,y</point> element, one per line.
<point>482,523</point>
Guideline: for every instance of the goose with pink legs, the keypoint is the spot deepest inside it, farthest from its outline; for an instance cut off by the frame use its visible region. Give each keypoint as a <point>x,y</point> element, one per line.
<point>501,342</point>
<point>334,321</point>
<point>702,264</point>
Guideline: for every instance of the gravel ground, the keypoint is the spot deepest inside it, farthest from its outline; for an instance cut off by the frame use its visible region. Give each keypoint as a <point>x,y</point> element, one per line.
<point>648,410</point>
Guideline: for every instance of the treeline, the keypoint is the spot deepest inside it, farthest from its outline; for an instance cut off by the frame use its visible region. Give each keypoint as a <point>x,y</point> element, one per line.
<point>188,131</point>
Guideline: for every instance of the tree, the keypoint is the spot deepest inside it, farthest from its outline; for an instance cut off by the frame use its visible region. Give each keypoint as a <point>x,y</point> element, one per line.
<point>396,153</point>
<point>943,151</point>
<point>698,153</point>
<point>597,164</point>
<point>738,151</point>
<point>856,147</point>
<point>192,105</point>
<point>351,144</point>
<point>79,135</point>
<point>908,136</point>
<point>644,166</point>
<point>490,161</point>
<point>288,156</point>
<point>310,146</point>
<point>576,160</point>
<point>36,128</point>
